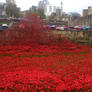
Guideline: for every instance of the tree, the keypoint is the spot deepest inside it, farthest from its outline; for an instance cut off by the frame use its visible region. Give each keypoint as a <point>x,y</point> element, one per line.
<point>52,16</point>
<point>12,10</point>
<point>39,12</point>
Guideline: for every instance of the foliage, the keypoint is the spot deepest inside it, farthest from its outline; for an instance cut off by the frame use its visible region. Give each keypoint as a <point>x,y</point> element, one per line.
<point>35,67</point>
<point>52,16</point>
<point>39,12</point>
<point>12,10</point>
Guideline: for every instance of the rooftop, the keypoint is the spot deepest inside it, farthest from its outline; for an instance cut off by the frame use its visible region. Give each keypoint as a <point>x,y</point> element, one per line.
<point>74,14</point>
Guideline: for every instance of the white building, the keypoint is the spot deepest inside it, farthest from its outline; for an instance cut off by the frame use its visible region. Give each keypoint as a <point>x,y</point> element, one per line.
<point>2,9</point>
<point>48,8</point>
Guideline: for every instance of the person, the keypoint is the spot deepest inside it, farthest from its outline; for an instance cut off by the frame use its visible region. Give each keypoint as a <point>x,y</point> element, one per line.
<point>1,28</point>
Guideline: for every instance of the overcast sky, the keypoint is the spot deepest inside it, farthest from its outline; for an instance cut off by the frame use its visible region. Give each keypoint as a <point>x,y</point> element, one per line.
<point>68,5</point>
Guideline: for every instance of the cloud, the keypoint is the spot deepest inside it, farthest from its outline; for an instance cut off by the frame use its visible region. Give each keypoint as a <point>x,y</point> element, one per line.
<point>76,5</point>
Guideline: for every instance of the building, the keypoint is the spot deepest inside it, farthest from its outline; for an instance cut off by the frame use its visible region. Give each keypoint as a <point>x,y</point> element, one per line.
<point>85,20</point>
<point>2,9</point>
<point>65,17</point>
<point>42,4</point>
<point>87,12</point>
<point>49,9</point>
<point>82,21</point>
<point>34,8</point>
<point>58,12</point>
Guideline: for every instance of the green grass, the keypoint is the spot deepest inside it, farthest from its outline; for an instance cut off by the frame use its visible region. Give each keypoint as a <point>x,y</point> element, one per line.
<point>84,52</point>
<point>67,53</point>
<point>4,23</point>
<point>6,54</point>
<point>33,56</point>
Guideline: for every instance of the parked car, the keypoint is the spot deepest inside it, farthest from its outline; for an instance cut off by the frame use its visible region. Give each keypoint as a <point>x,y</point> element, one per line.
<point>66,28</point>
<point>52,27</point>
<point>16,19</point>
<point>60,28</point>
<point>78,28</point>
<point>46,27</point>
<point>86,28</point>
<point>4,25</point>
<point>71,28</point>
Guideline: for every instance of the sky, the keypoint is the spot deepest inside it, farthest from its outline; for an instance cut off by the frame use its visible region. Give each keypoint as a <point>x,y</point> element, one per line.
<point>68,5</point>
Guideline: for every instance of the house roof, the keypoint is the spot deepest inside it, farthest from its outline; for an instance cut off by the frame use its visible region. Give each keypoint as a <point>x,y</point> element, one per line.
<point>74,14</point>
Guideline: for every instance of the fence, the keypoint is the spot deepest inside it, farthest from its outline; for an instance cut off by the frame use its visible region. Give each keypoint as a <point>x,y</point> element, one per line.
<point>84,37</point>
<point>11,37</point>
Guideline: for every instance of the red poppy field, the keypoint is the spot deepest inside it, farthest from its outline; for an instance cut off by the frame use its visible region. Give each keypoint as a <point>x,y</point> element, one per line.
<point>43,64</point>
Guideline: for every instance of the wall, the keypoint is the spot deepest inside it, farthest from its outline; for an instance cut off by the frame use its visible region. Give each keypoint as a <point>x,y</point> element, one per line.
<point>84,37</point>
<point>87,20</point>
